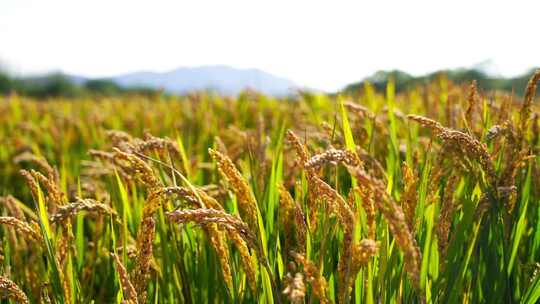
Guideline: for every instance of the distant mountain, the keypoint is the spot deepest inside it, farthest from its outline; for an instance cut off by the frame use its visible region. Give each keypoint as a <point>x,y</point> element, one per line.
<point>220,78</point>
<point>484,74</point>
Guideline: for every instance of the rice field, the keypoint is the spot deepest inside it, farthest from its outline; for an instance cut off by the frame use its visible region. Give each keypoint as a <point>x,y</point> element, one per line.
<point>427,196</point>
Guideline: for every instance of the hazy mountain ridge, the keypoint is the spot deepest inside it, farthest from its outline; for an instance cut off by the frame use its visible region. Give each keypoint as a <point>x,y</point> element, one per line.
<point>404,81</point>
<point>220,78</point>
<point>226,80</point>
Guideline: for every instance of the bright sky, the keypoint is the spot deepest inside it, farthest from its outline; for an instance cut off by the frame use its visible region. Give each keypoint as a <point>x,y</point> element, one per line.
<point>321,44</point>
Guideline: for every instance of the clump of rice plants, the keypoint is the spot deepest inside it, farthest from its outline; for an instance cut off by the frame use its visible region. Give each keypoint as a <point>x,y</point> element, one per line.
<point>427,196</point>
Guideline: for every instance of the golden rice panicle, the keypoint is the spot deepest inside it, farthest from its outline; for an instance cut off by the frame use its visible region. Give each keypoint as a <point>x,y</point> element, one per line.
<point>300,227</point>
<point>292,218</point>
<point>337,205</point>
<point>237,230</point>
<point>130,294</point>
<point>425,122</point>
<point>192,196</point>
<point>467,144</point>
<point>301,150</point>
<point>472,100</point>
<point>66,212</point>
<point>332,156</point>
<point>12,291</point>
<point>21,227</point>
<point>55,195</point>
<point>474,149</point>
<point>117,137</point>
<point>359,110</point>
<point>408,198</point>
<point>525,112</point>
<point>38,161</point>
<point>222,251</point>
<point>102,155</point>
<point>143,171</point>
<point>153,202</point>
<point>246,199</point>
<point>12,206</point>
<point>162,145</point>
<point>146,232</point>
<point>246,258</point>
<point>182,192</point>
<point>203,216</point>
<point>31,183</point>
<point>295,289</point>
<point>286,215</point>
<point>369,208</point>
<point>362,252</point>
<point>313,276</point>
<point>366,249</point>
<point>141,274</point>
<point>445,217</point>
<point>209,201</point>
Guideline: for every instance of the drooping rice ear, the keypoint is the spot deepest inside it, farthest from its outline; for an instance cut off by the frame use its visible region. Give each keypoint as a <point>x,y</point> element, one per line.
<point>12,291</point>
<point>130,294</point>
<point>246,199</point>
<point>525,112</point>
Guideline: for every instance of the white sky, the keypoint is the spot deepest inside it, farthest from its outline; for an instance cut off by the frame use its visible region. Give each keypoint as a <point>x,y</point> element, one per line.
<point>324,45</point>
